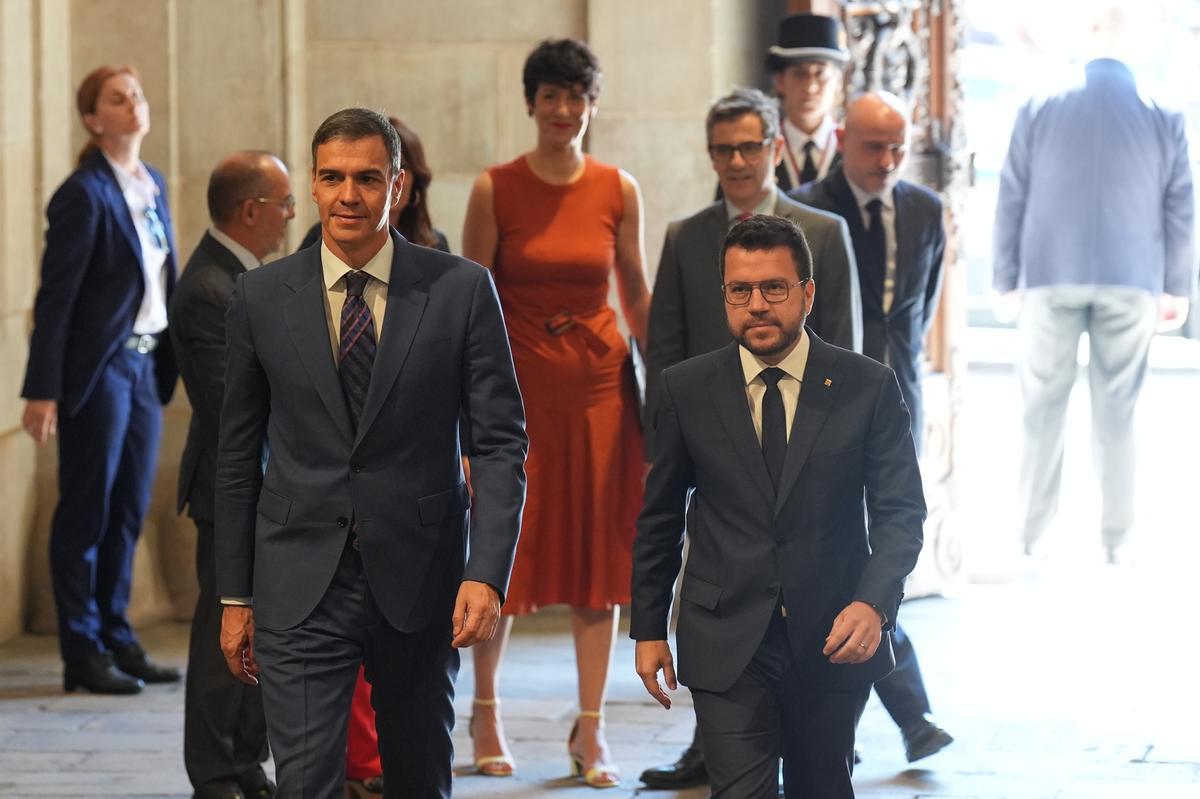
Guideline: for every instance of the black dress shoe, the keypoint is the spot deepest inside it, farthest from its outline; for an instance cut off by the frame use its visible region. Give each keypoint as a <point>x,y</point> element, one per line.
<point>97,673</point>
<point>923,738</point>
<point>134,661</point>
<point>686,772</point>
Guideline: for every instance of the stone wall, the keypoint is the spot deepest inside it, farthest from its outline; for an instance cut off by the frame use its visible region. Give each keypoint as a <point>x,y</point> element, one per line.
<point>228,74</point>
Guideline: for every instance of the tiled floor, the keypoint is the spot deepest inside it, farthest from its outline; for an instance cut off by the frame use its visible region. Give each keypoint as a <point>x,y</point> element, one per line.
<point>1069,679</point>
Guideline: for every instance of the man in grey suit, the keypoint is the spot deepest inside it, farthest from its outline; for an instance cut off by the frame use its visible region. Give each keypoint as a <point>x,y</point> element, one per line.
<point>1094,233</point>
<point>805,518</point>
<point>249,202</point>
<point>687,316</point>
<point>363,361</point>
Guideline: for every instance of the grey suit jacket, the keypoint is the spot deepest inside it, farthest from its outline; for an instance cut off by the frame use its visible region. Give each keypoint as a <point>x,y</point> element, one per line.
<point>810,545</point>
<point>197,325</point>
<point>1097,191</point>
<point>687,314</point>
<point>443,355</point>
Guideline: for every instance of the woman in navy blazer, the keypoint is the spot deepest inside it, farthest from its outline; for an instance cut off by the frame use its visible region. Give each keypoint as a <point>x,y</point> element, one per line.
<point>100,369</point>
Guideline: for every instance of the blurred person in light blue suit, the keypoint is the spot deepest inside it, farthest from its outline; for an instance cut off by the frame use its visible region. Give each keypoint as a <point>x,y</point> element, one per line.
<point>1094,233</point>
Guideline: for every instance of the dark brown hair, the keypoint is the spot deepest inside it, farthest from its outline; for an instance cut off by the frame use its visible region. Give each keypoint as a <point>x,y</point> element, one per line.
<point>765,232</point>
<point>354,124</point>
<point>414,223</point>
<point>88,95</point>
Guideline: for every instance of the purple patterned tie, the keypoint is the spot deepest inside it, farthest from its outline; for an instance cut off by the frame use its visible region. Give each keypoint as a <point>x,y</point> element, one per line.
<point>356,351</point>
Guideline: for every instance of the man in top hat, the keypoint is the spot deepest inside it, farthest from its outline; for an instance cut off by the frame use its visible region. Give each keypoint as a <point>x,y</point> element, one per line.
<point>807,64</point>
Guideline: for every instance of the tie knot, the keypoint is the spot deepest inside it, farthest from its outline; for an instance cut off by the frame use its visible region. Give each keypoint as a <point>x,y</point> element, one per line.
<point>742,217</point>
<point>356,281</point>
<point>809,146</point>
<point>875,207</point>
<point>771,376</point>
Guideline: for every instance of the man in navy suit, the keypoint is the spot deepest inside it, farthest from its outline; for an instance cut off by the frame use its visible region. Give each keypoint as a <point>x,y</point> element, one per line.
<point>362,361</point>
<point>100,369</point>
<point>896,227</point>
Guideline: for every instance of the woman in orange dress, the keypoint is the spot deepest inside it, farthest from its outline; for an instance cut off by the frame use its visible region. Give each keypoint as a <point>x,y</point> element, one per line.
<point>553,225</point>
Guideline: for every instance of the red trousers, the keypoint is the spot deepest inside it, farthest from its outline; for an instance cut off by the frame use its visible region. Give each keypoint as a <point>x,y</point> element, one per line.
<point>362,743</point>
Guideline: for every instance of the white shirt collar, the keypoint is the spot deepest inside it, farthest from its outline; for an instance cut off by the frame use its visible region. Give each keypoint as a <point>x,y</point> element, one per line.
<point>139,181</point>
<point>793,365</point>
<point>820,137</point>
<point>863,197</point>
<point>379,267</point>
<point>247,258</point>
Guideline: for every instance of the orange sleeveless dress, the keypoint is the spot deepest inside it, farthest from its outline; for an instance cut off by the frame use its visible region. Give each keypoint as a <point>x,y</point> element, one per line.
<point>556,250</point>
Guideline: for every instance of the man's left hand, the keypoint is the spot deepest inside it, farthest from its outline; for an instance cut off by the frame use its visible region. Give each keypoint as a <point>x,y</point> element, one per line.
<point>855,635</point>
<point>476,614</point>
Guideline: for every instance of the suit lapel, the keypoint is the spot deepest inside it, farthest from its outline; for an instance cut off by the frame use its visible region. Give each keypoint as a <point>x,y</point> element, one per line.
<point>728,389</point>
<point>817,391</point>
<point>407,298</point>
<point>308,325</point>
<point>116,199</point>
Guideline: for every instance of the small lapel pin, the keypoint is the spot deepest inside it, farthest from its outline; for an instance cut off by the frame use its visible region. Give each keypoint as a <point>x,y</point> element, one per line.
<point>828,382</point>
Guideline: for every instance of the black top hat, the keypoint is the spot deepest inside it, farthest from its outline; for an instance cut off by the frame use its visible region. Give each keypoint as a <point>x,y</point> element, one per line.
<point>808,36</point>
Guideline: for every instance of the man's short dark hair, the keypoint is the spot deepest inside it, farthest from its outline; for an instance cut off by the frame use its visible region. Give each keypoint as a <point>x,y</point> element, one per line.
<point>562,62</point>
<point>354,124</point>
<point>763,232</point>
<point>740,102</point>
<point>235,180</point>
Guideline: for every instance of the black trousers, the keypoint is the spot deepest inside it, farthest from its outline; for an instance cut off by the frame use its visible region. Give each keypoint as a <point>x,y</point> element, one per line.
<point>308,676</point>
<point>768,713</point>
<point>224,729</point>
<point>903,691</point>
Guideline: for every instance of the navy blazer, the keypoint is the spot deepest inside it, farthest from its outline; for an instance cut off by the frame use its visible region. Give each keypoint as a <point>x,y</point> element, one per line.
<point>845,524</point>
<point>92,287</point>
<point>897,337</point>
<point>443,364</point>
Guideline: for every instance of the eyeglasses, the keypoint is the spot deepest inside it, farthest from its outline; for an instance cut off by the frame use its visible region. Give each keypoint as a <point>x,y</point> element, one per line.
<point>773,291</point>
<point>288,203</point>
<point>749,150</point>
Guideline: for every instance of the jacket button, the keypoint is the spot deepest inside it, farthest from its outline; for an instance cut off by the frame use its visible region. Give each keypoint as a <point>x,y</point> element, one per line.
<point>342,521</point>
<point>356,467</point>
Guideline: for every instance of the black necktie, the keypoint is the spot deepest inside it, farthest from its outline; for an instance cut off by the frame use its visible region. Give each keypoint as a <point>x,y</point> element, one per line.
<point>809,172</point>
<point>873,260</point>
<point>356,348</point>
<point>774,424</point>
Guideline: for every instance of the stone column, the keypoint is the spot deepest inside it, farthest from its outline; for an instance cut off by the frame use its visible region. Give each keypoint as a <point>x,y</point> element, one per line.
<point>18,233</point>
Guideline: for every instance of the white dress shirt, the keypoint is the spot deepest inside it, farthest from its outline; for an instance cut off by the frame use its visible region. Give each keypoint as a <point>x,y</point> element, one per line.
<point>824,139</point>
<point>789,385</point>
<point>334,269</point>
<point>888,215</point>
<point>141,192</point>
